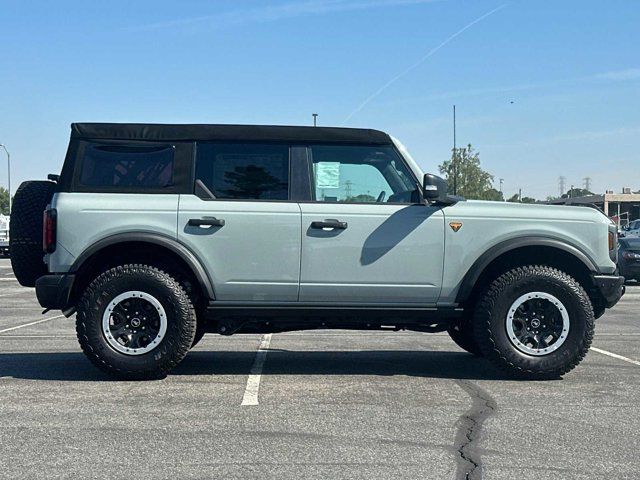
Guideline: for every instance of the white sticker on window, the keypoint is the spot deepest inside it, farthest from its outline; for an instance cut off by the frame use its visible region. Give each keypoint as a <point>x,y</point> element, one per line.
<point>328,174</point>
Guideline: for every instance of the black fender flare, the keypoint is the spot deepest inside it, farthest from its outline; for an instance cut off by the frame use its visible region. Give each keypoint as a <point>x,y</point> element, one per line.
<point>472,276</point>
<point>167,242</point>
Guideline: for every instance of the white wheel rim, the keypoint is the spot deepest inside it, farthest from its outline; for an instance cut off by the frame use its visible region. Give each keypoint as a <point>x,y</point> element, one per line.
<point>523,328</point>
<point>118,341</point>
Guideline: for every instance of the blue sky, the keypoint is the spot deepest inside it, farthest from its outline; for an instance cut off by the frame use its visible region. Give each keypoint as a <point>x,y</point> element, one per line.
<point>571,69</point>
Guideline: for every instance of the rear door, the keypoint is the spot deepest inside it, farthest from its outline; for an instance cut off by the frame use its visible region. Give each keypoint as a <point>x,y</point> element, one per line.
<point>365,238</point>
<point>241,222</point>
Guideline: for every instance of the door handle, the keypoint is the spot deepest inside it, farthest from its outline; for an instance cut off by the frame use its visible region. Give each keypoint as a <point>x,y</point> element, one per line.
<point>206,222</point>
<point>329,223</point>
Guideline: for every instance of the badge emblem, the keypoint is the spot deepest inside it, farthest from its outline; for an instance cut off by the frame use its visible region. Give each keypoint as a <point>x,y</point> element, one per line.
<point>455,226</point>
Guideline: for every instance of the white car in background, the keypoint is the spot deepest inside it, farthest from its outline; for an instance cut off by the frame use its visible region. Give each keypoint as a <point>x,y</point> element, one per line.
<point>632,229</point>
<point>4,235</point>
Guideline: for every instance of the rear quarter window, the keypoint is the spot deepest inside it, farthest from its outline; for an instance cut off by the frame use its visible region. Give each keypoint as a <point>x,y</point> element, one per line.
<point>127,166</point>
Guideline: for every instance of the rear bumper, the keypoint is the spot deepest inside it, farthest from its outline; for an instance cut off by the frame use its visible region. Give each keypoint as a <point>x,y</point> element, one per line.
<point>53,290</point>
<point>611,287</point>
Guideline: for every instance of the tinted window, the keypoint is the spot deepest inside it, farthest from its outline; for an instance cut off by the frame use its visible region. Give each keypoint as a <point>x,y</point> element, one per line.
<point>360,174</point>
<point>244,171</point>
<point>127,166</point>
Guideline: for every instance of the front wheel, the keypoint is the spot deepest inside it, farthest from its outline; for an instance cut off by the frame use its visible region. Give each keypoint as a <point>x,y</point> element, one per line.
<point>135,322</point>
<point>535,322</point>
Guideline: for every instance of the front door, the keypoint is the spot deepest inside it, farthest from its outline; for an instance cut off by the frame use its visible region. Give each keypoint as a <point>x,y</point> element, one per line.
<point>365,239</point>
<point>241,223</point>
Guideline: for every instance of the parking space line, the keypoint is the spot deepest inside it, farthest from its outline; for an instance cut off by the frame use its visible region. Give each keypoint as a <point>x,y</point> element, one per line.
<point>615,355</point>
<point>250,396</point>
<point>29,324</point>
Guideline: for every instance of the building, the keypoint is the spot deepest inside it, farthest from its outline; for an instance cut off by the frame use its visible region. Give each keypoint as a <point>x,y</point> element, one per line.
<point>620,207</point>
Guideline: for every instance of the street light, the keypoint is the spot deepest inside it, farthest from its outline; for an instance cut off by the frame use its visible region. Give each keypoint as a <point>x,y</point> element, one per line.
<point>8,173</point>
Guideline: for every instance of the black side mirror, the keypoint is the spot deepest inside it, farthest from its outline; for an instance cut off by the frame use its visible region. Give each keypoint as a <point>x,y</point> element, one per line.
<point>434,188</point>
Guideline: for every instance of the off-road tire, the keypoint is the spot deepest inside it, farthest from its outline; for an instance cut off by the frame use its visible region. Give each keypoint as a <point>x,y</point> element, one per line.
<point>198,336</point>
<point>492,310</point>
<point>461,332</point>
<point>180,313</point>
<point>25,230</point>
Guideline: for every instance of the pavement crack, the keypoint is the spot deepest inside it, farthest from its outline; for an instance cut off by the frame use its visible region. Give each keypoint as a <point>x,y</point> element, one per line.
<point>469,433</point>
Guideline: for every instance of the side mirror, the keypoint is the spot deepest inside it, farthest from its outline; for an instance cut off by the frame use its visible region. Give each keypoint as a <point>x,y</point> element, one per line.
<point>434,188</point>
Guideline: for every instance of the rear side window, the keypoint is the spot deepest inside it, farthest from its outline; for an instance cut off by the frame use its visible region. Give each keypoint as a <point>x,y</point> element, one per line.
<point>127,166</point>
<point>244,171</point>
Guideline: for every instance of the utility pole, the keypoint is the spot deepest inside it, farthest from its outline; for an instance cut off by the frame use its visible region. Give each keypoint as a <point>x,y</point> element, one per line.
<point>315,119</point>
<point>8,173</point>
<point>587,183</point>
<point>520,195</point>
<point>561,183</point>
<point>571,192</point>
<point>455,155</point>
<point>501,182</point>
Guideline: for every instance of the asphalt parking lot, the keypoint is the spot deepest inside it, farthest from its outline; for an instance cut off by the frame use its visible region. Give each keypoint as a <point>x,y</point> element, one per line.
<point>330,404</point>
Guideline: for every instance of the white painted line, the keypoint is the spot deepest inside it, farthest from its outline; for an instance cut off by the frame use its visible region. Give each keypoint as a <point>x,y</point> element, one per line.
<point>7,279</point>
<point>615,355</point>
<point>253,382</point>
<point>29,324</point>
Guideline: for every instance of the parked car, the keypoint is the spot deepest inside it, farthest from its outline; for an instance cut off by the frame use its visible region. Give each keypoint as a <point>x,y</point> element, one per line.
<point>629,258</point>
<point>4,235</point>
<point>632,229</point>
<point>156,234</point>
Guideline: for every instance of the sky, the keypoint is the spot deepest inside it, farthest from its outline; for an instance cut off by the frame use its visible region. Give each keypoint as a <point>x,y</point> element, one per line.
<point>542,88</point>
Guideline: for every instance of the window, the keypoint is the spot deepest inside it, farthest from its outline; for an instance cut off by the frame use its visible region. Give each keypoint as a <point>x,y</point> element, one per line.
<point>361,174</point>
<point>127,166</point>
<point>244,171</point>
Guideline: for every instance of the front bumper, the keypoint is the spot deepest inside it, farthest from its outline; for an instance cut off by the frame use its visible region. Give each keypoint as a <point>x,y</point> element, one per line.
<point>54,290</point>
<point>611,287</point>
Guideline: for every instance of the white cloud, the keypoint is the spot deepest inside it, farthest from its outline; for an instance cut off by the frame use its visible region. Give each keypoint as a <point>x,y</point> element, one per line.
<point>621,75</point>
<point>272,13</point>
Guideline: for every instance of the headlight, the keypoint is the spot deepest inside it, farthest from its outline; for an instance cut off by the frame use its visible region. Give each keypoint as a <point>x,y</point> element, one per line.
<point>613,243</point>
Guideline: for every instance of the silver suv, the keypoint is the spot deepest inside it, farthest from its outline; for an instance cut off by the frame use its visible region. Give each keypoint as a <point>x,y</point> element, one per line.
<point>157,234</point>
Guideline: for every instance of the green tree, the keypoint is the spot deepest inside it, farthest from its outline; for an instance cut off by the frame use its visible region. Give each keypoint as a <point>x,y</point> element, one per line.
<point>577,192</point>
<point>4,201</point>
<point>515,198</point>
<point>472,181</point>
<point>363,197</point>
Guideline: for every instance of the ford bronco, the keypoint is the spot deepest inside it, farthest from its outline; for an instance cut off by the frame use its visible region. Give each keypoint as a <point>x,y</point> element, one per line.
<point>154,235</point>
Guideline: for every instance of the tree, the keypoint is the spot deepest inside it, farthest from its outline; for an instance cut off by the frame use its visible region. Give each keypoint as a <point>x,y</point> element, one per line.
<point>577,192</point>
<point>515,198</point>
<point>472,181</point>
<point>4,201</point>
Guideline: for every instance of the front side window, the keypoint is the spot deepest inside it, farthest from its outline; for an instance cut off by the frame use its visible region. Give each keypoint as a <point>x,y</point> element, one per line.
<point>244,171</point>
<point>127,166</point>
<point>362,174</point>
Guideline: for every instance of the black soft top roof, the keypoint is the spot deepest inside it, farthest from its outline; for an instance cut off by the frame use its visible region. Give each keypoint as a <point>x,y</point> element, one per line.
<point>268,133</point>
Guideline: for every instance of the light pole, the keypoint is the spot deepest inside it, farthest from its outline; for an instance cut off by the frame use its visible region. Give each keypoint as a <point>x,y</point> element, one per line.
<point>455,155</point>
<point>8,173</point>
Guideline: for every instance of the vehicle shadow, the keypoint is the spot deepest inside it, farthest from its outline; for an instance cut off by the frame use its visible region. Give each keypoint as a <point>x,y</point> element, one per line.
<point>63,366</point>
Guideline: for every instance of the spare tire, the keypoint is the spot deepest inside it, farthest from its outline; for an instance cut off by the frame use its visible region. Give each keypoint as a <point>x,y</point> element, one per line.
<point>25,230</point>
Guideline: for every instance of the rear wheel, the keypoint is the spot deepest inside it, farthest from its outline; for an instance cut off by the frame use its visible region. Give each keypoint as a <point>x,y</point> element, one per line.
<point>135,322</point>
<point>25,230</point>
<point>535,322</point>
